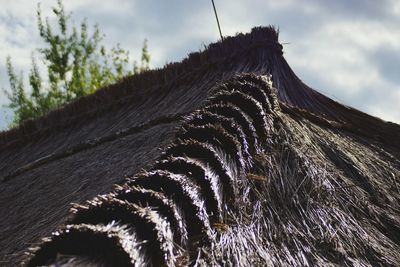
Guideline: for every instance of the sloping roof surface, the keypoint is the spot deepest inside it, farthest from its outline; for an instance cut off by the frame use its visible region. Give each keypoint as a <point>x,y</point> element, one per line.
<point>327,175</point>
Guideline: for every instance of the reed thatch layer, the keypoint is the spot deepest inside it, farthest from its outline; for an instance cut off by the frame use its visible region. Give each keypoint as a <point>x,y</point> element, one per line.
<point>308,195</point>
<point>320,185</point>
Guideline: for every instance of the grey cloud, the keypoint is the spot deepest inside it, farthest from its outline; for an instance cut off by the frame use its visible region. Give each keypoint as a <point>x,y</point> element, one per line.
<point>354,9</point>
<point>378,101</point>
<point>162,17</point>
<point>387,60</point>
<point>166,24</point>
<point>10,21</point>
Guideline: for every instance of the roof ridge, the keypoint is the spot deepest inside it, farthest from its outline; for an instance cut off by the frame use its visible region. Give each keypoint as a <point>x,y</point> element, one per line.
<point>137,86</point>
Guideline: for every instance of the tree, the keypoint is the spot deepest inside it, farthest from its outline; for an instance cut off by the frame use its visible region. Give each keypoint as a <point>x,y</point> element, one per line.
<point>76,63</point>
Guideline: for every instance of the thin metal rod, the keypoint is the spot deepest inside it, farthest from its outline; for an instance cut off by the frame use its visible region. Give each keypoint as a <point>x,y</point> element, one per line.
<point>216,16</point>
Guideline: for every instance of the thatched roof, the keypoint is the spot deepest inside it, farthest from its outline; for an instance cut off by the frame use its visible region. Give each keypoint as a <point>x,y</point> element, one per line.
<point>245,165</point>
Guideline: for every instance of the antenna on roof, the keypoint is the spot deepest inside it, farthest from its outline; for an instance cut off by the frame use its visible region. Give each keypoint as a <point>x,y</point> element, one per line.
<point>216,16</point>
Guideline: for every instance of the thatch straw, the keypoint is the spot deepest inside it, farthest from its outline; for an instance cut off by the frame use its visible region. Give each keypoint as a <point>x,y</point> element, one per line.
<point>290,178</point>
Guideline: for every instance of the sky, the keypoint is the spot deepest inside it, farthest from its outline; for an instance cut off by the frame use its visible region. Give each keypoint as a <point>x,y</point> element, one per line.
<point>347,49</point>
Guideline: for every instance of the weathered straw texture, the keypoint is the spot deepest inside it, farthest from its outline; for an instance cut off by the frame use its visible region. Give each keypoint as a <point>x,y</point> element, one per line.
<point>249,181</point>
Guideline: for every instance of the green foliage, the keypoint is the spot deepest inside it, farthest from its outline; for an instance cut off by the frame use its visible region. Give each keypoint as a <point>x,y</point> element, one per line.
<point>76,64</point>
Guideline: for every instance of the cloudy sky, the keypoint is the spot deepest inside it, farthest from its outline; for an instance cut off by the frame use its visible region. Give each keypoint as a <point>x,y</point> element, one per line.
<point>347,49</point>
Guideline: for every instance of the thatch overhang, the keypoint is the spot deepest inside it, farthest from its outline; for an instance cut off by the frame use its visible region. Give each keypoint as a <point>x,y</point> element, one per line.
<point>324,186</point>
